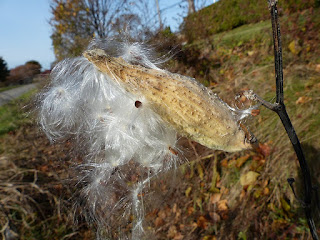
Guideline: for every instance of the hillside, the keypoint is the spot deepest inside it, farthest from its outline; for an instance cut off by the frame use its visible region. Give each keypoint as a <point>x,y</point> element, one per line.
<point>226,15</point>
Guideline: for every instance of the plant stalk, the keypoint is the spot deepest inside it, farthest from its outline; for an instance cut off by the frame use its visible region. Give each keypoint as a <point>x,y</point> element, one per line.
<point>280,109</point>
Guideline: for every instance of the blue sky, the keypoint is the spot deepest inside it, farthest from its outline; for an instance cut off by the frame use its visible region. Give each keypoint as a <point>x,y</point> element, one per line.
<point>25,31</point>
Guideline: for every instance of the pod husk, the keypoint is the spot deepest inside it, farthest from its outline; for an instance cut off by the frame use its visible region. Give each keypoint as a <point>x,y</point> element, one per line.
<point>189,107</point>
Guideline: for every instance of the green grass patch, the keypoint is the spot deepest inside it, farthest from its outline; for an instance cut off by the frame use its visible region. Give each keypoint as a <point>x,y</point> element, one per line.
<point>3,89</point>
<point>14,113</point>
<point>252,33</point>
<point>257,32</point>
<point>229,14</point>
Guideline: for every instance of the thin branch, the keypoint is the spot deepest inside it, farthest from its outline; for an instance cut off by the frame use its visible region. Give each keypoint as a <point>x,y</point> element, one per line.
<point>280,109</point>
<point>277,50</point>
<point>254,97</point>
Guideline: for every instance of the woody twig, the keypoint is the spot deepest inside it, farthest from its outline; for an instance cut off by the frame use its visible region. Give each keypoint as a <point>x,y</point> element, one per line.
<point>280,109</point>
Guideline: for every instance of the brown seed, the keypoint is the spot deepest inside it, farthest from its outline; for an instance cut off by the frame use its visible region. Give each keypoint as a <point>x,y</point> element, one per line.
<point>173,151</point>
<point>255,112</point>
<point>137,104</point>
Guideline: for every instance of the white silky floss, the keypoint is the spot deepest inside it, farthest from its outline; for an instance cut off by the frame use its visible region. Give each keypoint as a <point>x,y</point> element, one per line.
<point>113,126</point>
<point>118,131</point>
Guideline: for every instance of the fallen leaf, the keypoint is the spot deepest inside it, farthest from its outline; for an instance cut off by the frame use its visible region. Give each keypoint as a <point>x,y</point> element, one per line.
<point>242,160</point>
<point>222,205</point>
<point>248,178</point>
<point>202,222</point>
<point>285,205</point>
<point>206,238</point>
<point>224,190</point>
<point>190,210</point>
<point>162,214</point>
<point>158,222</point>
<point>188,191</point>
<point>249,188</point>
<point>250,53</point>
<point>44,168</point>
<point>174,208</point>
<point>243,99</point>
<point>215,198</point>
<point>215,217</point>
<point>58,187</point>
<point>178,236</point>
<point>209,238</point>
<point>303,99</point>
<point>264,149</point>
<point>242,194</point>
<point>224,163</point>
<point>257,193</point>
<point>172,231</point>
<point>255,112</point>
<point>178,213</point>
<point>294,47</point>
<point>265,183</point>
<point>232,163</point>
<point>168,211</point>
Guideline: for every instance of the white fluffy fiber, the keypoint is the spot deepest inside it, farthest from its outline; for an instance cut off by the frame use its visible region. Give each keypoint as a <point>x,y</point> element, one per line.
<point>118,132</point>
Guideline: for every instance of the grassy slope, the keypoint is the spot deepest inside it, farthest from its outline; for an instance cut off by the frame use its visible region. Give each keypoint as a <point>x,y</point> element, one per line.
<point>229,14</point>
<point>12,115</point>
<point>2,89</point>
<point>34,194</point>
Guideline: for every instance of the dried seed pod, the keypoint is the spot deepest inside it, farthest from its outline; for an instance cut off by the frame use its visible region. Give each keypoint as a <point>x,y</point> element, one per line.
<point>192,109</point>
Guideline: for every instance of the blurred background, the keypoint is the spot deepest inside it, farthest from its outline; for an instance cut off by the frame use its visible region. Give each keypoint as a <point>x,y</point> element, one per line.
<point>227,46</point>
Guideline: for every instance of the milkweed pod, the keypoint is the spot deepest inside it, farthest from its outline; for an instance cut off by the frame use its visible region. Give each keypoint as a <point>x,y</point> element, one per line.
<point>189,107</point>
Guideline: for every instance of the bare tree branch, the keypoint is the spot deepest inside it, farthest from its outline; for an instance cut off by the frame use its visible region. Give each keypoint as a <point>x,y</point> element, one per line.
<point>103,14</point>
<point>191,7</point>
<point>159,15</point>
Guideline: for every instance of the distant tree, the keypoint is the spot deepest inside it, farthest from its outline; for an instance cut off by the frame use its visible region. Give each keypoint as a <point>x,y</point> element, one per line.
<point>24,73</point>
<point>159,15</point>
<point>76,22</point>
<point>191,6</point>
<point>34,67</point>
<point>103,14</point>
<point>4,72</point>
<point>71,27</point>
<point>127,23</point>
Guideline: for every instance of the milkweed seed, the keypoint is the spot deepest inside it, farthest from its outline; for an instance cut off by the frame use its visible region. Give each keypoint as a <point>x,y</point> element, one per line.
<point>138,104</point>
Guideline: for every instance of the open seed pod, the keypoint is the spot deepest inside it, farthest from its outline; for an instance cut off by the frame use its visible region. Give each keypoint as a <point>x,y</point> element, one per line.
<point>189,107</point>
<point>123,114</point>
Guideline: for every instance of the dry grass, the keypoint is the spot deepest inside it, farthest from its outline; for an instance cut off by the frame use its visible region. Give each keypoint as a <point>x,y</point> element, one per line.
<point>34,188</point>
